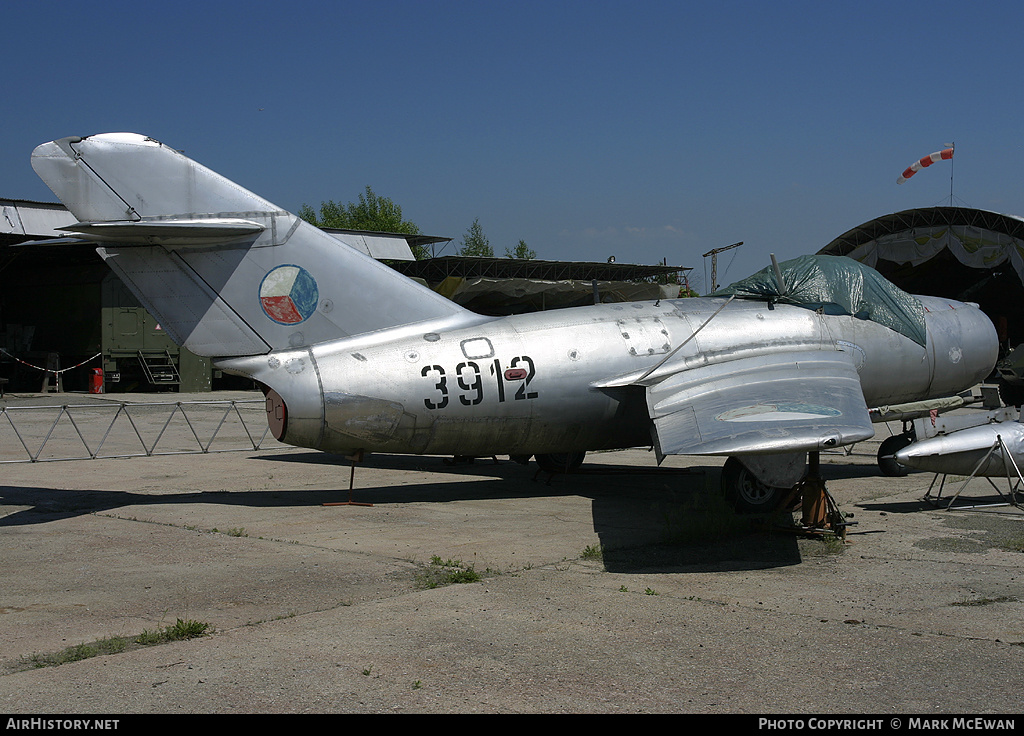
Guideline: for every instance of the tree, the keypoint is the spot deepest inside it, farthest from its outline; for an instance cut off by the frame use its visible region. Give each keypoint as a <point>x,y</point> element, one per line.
<point>521,251</point>
<point>372,212</point>
<point>475,243</point>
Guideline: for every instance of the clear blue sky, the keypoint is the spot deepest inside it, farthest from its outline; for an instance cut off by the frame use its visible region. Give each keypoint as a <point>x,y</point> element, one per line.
<point>644,130</point>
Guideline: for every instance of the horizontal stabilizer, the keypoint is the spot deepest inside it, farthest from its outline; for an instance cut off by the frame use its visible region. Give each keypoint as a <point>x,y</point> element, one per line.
<point>224,271</point>
<point>179,233</point>
<point>69,240</point>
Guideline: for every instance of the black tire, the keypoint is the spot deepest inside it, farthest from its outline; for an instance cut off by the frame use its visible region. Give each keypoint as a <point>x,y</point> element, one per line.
<point>560,462</point>
<point>745,493</point>
<point>887,455</point>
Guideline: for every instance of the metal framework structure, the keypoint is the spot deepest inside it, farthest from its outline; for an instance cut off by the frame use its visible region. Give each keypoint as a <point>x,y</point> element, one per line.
<point>924,217</point>
<point>32,434</point>
<point>1014,479</point>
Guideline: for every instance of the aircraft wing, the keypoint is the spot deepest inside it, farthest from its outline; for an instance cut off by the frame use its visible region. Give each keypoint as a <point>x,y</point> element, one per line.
<point>782,403</point>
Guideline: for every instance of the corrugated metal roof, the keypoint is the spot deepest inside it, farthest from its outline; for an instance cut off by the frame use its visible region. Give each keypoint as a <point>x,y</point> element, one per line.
<point>907,220</point>
<point>438,269</point>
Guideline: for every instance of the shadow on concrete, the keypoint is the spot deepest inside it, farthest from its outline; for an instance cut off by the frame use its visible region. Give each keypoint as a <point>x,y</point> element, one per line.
<point>647,519</point>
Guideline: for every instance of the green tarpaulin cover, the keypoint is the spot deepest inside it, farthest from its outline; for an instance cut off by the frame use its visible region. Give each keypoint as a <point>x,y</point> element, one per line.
<point>838,285</point>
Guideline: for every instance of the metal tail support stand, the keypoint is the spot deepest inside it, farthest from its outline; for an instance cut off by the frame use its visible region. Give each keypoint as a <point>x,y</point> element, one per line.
<point>820,513</point>
<point>353,459</point>
<point>1014,479</point>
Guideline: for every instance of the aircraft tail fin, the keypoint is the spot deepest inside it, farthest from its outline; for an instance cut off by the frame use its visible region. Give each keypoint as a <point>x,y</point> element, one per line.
<point>225,272</point>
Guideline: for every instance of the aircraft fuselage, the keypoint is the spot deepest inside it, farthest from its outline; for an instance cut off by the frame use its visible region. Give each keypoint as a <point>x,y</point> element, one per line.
<point>539,383</point>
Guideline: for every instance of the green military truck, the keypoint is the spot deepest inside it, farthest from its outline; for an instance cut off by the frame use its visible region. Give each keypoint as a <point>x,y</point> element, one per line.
<point>138,355</point>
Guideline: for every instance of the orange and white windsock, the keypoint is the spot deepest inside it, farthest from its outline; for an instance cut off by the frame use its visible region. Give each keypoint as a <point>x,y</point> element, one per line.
<point>945,153</point>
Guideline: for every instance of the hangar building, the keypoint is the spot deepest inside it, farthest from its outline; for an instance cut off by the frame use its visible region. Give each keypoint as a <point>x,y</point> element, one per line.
<point>957,252</point>
<point>62,307</point>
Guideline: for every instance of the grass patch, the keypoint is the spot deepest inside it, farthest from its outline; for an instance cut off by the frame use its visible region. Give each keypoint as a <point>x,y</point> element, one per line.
<point>1013,544</point>
<point>440,573</point>
<point>113,645</point>
<point>822,546</point>
<point>180,630</point>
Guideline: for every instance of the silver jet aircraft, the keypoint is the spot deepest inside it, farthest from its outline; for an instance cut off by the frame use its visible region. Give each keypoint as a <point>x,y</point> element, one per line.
<point>355,358</point>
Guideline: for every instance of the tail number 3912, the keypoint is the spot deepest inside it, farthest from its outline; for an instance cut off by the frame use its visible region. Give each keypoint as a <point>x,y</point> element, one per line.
<point>468,382</point>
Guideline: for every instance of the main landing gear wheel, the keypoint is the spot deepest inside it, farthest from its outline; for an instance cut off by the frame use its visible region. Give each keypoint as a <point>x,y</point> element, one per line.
<point>746,493</point>
<point>887,455</point>
<point>560,462</point>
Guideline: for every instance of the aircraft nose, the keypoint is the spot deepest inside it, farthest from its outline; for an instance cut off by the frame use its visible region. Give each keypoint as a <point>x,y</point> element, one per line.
<point>981,343</point>
<point>912,453</point>
<point>963,343</point>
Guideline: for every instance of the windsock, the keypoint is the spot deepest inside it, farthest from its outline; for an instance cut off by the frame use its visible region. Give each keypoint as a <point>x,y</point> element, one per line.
<point>945,153</point>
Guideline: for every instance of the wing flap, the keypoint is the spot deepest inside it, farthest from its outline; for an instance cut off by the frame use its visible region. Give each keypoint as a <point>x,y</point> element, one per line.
<point>787,402</point>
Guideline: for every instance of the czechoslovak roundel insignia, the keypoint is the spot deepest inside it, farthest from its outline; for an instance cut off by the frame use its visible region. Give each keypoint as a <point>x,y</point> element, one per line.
<point>289,295</point>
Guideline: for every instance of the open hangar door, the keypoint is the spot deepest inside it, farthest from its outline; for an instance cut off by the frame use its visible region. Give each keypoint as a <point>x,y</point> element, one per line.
<point>957,252</point>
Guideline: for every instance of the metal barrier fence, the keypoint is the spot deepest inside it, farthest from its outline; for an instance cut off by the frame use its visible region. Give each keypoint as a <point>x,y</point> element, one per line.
<point>32,434</point>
